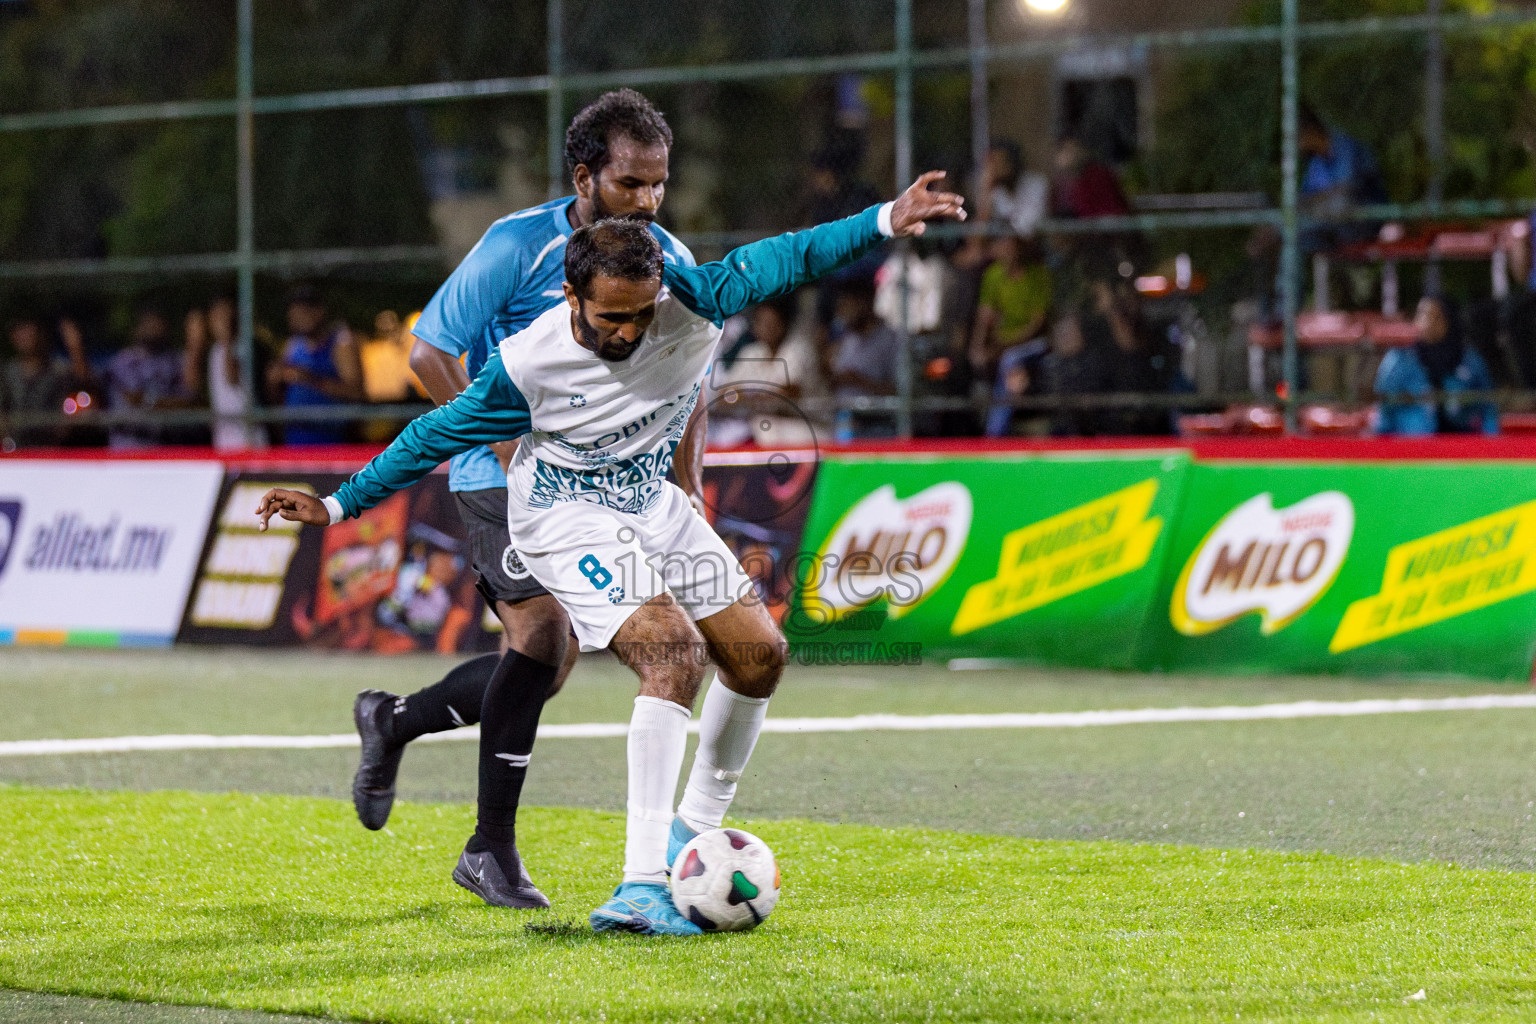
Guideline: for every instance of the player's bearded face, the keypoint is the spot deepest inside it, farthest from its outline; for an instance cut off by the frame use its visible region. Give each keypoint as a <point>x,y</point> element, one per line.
<point>612,348</point>
<point>631,185</point>
<point>614,325</point>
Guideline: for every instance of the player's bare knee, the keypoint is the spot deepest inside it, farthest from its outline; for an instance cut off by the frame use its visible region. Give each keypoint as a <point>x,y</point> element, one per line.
<point>757,667</point>
<point>665,649</point>
<point>676,683</point>
<point>539,628</point>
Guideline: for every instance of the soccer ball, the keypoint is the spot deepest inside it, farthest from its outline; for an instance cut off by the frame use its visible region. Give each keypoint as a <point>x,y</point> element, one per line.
<point>725,880</point>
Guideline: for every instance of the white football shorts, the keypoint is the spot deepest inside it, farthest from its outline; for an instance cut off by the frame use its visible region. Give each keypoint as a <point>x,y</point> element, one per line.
<point>602,564</point>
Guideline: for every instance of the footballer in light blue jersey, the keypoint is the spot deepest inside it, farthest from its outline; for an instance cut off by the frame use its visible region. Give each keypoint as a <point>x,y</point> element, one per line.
<point>616,150</point>
<point>512,275</point>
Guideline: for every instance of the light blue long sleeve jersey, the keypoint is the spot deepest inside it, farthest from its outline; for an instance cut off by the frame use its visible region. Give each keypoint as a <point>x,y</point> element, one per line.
<point>512,275</point>
<point>492,408</point>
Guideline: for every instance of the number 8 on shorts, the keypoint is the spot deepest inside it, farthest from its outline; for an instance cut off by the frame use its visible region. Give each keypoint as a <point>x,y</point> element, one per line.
<point>593,570</point>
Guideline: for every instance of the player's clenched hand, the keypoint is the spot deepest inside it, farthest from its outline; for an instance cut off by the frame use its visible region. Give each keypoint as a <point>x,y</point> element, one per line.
<point>917,204</point>
<point>295,506</point>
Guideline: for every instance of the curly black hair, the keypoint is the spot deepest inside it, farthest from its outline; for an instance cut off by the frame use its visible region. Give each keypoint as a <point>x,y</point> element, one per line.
<point>621,112</point>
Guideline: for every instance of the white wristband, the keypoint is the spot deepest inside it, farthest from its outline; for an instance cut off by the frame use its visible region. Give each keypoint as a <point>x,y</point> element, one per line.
<point>883,221</point>
<point>334,508</point>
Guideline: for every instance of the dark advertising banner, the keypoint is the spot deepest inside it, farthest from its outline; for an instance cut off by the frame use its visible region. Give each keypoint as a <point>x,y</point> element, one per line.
<point>395,580</point>
<point>757,502</point>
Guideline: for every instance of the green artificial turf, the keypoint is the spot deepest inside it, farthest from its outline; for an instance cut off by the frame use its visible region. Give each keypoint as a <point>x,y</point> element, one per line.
<point>1440,786</point>
<point>285,904</point>
<point>78,693</point>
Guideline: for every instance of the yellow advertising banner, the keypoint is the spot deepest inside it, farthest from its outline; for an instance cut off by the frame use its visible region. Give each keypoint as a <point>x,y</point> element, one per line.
<point>1446,574</point>
<point>1064,555</point>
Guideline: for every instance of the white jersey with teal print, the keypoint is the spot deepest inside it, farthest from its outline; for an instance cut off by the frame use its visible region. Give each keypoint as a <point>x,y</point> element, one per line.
<point>513,274</point>
<point>597,431</point>
<point>604,431</point>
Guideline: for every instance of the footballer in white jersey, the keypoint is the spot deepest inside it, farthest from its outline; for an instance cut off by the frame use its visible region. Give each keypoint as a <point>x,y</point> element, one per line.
<point>590,507</point>
<point>610,378</point>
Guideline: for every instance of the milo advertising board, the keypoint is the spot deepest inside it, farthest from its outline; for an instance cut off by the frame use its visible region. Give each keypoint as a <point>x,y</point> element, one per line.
<point>1352,567</point>
<point>1048,558</point>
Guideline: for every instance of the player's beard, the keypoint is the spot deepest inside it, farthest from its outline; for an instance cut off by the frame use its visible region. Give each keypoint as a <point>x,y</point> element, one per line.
<point>609,351</point>
<point>600,211</point>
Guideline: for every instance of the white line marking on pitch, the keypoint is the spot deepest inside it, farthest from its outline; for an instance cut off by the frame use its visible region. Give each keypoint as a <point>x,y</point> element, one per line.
<point>856,723</point>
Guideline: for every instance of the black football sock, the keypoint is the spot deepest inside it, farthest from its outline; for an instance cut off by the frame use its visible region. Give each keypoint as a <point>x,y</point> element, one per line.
<point>508,721</point>
<point>453,701</point>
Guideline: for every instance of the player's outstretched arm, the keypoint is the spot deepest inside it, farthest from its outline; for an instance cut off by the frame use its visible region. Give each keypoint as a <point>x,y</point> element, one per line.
<point>775,266</point>
<point>491,410</point>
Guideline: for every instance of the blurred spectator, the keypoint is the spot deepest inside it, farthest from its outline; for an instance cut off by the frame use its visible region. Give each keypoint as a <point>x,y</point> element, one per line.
<point>1011,314</point>
<point>1009,193</point>
<point>835,190</point>
<point>1140,362</point>
<point>950,373</point>
<point>320,367</point>
<point>1085,186</point>
<point>861,362</point>
<point>1077,364</point>
<point>1519,309</point>
<point>35,380</point>
<point>1439,361</point>
<point>386,360</point>
<point>148,375</point>
<point>759,393</point>
<point>214,362</point>
<point>387,374</point>
<point>924,290</point>
<point>1340,173</point>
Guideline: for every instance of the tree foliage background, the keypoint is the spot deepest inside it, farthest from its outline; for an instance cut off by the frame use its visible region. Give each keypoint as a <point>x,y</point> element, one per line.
<point>366,177</point>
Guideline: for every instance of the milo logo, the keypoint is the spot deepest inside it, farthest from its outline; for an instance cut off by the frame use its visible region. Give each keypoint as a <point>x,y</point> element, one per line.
<point>884,547</point>
<point>1259,559</point>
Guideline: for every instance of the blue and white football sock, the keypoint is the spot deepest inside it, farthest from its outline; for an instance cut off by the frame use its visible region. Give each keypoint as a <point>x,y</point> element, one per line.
<point>729,724</point>
<point>658,736</point>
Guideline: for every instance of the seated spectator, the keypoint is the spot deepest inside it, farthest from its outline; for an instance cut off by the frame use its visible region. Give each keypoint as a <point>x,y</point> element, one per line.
<point>320,366</point>
<point>862,359</point>
<point>1010,316</point>
<point>1077,364</point>
<point>1341,172</point>
<point>219,372</point>
<point>1439,361</point>
<point>1011,194</point>
<point>1140,362</point>
<point>34,380</point>
<point>757,396</point>
<point>1085,186</point>
<point>148,375</point>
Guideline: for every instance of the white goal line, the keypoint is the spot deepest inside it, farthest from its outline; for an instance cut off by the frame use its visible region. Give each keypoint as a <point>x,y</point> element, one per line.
<point>855,723</point>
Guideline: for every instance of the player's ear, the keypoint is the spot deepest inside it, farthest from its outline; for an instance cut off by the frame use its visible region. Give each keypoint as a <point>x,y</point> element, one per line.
<point>581,179</point>
<point>571,298</point>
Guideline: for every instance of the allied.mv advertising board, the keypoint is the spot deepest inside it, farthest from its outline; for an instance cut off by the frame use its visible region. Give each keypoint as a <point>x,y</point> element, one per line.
<point>100,553</point>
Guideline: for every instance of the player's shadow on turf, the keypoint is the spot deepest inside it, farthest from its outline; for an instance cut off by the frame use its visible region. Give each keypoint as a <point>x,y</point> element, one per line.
<point>579,932</point>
